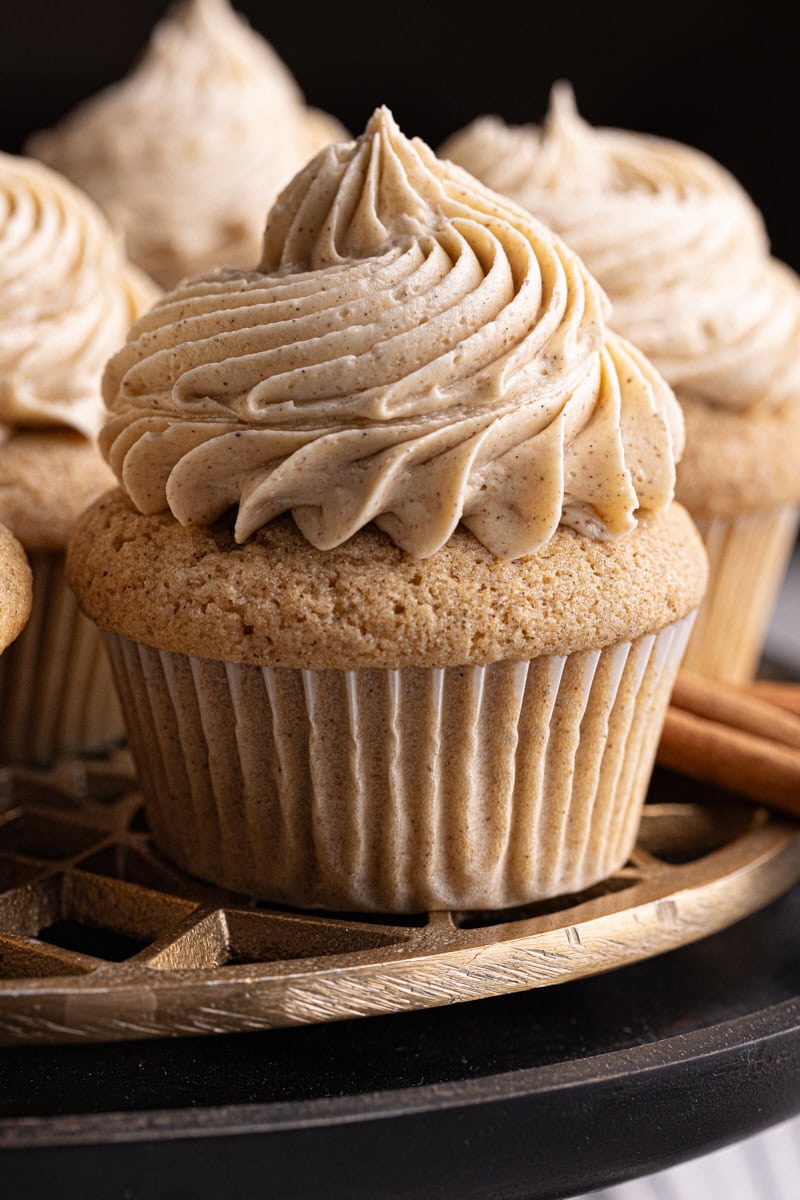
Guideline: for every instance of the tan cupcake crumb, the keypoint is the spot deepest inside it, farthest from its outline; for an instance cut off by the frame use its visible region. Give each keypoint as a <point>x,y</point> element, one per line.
<point>278,601</point>
<point>47,479</point>
<point>737,462</point>
<point>16,594</point>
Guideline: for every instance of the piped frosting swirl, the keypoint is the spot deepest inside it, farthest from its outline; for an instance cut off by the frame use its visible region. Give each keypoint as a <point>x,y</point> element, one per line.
<point>67,297</point>
<point>186,154</point>
<point>413,350</point>
<point>671,236</point>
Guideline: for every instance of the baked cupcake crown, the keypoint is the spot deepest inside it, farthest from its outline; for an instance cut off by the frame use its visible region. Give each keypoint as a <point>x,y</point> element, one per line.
<point>186,152</point>
<point>16,592</point>
<point>671,236</point>
<point>413,350</point>
<point>67,297</point>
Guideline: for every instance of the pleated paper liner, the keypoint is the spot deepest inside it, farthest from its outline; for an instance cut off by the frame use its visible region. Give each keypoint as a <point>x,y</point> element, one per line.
<point>399,790</point>
<point>57,694</point>
<point>748,556</point>
<point>102,939</point>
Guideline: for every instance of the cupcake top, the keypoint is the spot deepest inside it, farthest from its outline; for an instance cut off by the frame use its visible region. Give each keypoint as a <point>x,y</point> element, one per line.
<point>413,350</point>
<point>15,588</point>
<point>277,601</point>
<point>67,297</point>
<point>186,153</point>
<point>671,236</point>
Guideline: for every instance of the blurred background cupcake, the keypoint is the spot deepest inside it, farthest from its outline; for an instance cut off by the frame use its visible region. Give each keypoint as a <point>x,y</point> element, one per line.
<point>186,154</point>
<point>15,588</point>
<point>441,684</point>
<point>67,297</point>
<point>684,257</point>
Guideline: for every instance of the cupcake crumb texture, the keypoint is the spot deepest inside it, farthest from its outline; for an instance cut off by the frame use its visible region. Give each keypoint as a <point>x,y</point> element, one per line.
<point>15,588</point>
<point>277,601</point>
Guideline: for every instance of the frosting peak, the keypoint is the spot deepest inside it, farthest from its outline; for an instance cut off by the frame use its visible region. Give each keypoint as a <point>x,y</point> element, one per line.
<point>413,350</point>
<point>671,236</point>
<point>208,36</point>
<point>187,152</point>
<point>67,297</point>
<point>364,198</point>
<point>567,155</point>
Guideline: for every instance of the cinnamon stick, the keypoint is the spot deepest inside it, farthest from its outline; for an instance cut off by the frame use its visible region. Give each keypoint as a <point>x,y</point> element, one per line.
<point>736,707</point>
<point>784,695</point>
<point>732,758</point>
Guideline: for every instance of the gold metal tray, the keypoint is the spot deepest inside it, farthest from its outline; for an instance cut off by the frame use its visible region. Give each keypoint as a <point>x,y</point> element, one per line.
<point>101,939</point>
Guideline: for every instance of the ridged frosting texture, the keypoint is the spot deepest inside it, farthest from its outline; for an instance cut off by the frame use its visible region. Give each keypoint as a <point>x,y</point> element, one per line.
<point>413,350</point>
<point>186,154</point>
<point>67,297</point>
<point>671,236</point>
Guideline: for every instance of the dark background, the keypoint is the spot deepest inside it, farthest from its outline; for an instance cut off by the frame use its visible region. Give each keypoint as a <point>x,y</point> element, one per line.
<point>719,75</point>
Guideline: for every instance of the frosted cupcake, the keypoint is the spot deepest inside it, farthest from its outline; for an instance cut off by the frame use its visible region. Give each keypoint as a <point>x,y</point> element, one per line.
<point>684,257</point>
<point>67,297</point>
<point>15,588</point>
<point>404,590</point>
<point>186,154</point>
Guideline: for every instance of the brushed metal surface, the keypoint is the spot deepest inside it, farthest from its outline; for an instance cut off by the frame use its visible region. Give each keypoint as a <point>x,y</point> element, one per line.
<point>101,939</point>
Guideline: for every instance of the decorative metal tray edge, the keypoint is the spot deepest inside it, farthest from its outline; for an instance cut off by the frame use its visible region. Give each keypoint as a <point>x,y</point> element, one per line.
<point>101,939</point>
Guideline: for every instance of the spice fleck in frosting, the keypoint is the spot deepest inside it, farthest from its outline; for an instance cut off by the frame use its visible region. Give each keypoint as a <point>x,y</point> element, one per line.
<point>671,236</point>
<point>67,297</point>
<point>186,153</point>
<point>413,350</point>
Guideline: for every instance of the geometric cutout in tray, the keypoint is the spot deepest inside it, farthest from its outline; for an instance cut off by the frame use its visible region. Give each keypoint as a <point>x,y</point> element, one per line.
<point>102,939</point>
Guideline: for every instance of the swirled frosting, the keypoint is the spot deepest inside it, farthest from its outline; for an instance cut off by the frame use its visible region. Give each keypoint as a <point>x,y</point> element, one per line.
<point>413,350</point>
<point>671,236</point>
<point>186,154</point>
<point>67,297</point>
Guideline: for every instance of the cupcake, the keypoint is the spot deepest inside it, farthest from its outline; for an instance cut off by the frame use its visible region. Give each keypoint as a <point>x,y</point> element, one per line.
<point>186,154</point>
<point>15,588</point>
<point>684,257</point>
<point>67,297</point>
<point>394,588</point>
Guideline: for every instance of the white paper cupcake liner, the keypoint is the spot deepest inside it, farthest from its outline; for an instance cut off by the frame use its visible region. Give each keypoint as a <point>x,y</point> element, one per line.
<point>748,556</point>
<point>399,790</point>
<point>57,694</point>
